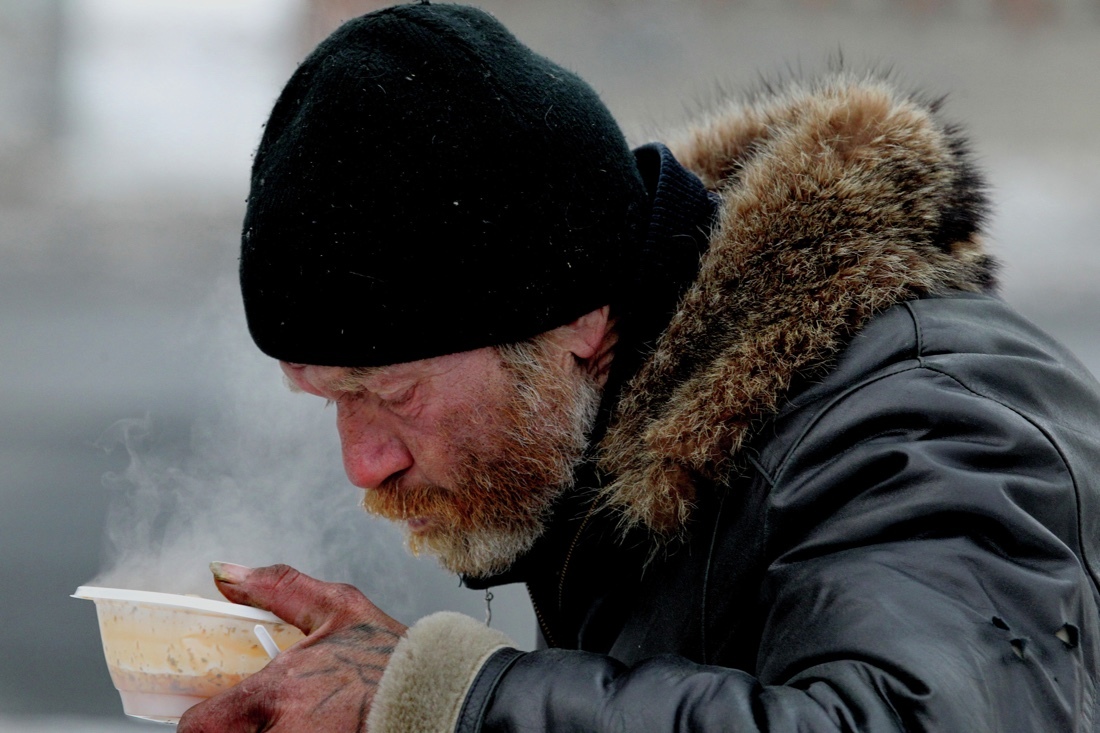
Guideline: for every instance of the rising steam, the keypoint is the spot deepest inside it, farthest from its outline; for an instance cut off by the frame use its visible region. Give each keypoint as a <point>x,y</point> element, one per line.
<point>260,482</point>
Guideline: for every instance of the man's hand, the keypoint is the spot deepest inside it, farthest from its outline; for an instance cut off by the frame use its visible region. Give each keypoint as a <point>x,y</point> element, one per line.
<point>327,681</point>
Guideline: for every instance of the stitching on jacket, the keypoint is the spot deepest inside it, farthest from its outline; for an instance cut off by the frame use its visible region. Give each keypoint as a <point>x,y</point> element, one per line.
<point>917,330</point>
<point>472,716</point>
<point>828,408</point>
<point>782,466</point>
<point>706,578</point>
<point>763,472</point>
<point>1086,560</point>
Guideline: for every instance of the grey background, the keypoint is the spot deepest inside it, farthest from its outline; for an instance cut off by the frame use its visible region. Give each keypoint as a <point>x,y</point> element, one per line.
<point>126,128</point>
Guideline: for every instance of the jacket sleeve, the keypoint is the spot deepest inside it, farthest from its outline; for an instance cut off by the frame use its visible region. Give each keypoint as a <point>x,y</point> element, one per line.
<point>920,576</point>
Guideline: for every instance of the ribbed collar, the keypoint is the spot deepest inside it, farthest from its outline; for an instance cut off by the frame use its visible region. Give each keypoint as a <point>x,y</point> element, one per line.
<point>681,215</point>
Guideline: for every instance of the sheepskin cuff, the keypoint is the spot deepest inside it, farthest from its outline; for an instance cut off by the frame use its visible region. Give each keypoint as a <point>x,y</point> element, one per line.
<point>425,685</point>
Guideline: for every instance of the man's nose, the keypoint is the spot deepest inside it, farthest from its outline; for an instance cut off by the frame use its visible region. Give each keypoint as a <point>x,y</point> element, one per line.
<point>372,453</point>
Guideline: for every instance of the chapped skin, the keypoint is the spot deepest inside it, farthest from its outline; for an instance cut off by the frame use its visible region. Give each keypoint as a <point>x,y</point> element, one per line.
<point>839,199</point>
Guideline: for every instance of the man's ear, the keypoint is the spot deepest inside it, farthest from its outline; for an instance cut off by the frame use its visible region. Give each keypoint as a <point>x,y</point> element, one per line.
<point>589,337</point>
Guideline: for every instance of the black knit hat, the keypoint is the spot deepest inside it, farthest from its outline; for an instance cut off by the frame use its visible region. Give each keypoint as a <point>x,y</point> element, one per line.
<point>426,185</point>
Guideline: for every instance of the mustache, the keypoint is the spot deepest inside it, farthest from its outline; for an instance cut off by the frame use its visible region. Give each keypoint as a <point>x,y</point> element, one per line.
<point>393,500</point>
<point>477,501</point>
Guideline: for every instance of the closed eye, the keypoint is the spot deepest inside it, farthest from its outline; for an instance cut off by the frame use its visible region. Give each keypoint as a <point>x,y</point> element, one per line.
<point>401,398</point>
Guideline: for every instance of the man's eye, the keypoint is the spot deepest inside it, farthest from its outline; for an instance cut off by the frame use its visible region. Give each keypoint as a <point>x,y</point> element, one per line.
<point>400,398</point>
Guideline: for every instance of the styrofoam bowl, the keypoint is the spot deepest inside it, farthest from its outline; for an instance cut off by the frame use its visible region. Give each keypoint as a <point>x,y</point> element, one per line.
<point>168,652</point>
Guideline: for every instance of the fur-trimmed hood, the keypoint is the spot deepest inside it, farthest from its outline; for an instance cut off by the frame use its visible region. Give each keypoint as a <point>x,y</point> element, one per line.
<point>839,199</point>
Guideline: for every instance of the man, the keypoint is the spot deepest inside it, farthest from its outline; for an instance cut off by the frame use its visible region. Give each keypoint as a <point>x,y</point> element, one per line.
<point>745,419</point>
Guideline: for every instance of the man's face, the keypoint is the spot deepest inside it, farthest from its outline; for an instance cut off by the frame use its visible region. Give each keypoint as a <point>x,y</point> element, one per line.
<point>468,450</point>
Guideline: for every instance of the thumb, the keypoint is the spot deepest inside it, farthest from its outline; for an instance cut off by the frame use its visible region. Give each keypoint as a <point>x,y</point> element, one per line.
<point>294,597</point>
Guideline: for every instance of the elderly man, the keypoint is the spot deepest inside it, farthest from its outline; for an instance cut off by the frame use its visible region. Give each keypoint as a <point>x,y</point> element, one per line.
<point>743,415</point>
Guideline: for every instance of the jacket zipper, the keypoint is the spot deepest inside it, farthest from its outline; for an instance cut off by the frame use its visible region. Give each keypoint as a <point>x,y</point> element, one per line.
<point>561,581</point>
<point>542,621</point>
<point>569,554</point>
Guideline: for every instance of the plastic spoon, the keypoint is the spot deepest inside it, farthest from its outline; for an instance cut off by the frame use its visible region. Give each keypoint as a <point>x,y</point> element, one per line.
<point>264,637</point>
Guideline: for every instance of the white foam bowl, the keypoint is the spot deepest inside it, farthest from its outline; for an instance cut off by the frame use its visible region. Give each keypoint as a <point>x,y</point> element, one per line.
<point>168,652</point>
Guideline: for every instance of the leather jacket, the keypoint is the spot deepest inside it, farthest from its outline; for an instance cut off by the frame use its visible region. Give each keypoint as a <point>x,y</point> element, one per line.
<point>838,485</point>
<point>906,551</point>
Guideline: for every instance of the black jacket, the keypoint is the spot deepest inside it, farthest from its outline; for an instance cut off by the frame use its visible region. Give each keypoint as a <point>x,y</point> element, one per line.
<point>905,553</point>
<point>840,485</point>
<point>904,543</point>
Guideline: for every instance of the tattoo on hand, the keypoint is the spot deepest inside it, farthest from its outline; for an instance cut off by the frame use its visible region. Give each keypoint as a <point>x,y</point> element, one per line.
<point>364,650</point>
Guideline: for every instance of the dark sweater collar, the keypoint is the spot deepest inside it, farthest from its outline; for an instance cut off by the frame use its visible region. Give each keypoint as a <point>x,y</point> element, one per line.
<point>681,215</point>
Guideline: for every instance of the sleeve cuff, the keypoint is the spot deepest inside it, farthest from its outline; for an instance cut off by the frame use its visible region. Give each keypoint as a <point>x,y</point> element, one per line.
<point>432,669</point>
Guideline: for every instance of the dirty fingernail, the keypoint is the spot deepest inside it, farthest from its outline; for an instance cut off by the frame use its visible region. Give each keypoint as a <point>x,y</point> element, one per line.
<point>228,572</point>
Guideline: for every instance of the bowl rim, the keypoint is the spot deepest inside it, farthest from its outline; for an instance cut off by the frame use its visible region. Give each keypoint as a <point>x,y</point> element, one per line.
<point>174,600</point>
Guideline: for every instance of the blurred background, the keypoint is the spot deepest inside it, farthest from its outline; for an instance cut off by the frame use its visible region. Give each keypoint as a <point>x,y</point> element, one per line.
<point>132,399</point>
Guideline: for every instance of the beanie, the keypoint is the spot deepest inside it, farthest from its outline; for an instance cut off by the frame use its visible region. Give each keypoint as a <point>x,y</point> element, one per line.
<point>426,184</point>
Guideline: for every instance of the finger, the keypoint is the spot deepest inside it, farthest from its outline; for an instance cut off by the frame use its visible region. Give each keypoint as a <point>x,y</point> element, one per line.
<point>295,597</point>
<point>237,710</point>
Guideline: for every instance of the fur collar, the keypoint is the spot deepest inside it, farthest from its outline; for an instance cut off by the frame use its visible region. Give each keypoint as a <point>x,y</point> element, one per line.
<point>839,199</point>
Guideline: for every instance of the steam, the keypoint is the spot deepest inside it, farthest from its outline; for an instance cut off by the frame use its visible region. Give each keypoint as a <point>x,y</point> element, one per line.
<point>260,482</point>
